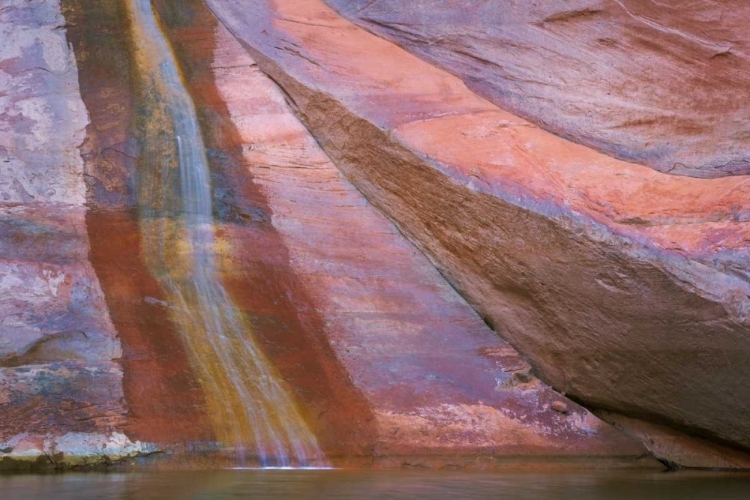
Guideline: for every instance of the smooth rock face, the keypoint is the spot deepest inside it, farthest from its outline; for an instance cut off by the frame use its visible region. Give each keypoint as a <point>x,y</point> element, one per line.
<point>58,349</point>
<point>435,377</point>
<point>626,288</point>
<point>661,83</point>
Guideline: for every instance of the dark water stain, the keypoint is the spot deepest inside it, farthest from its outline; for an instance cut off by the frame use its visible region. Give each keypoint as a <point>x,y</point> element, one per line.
<point>164,400</point>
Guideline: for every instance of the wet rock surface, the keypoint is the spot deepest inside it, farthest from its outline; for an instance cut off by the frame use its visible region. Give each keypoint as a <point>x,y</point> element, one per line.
<point>385,359</point>
<point>388,360</point>
<point>660,83</point>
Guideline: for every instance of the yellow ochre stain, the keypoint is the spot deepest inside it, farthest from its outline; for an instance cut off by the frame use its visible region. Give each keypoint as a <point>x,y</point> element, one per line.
<point>250,407</point>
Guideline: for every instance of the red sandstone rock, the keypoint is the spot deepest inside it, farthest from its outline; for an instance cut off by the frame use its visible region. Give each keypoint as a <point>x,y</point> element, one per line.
<point>387,361</point>
<point>663,83</point>
<point>384,357</point>
<point>165,402</point>
<point>626,287</point>
<point>677,449</point>
<point>392,362</point>
<point>60,384</point>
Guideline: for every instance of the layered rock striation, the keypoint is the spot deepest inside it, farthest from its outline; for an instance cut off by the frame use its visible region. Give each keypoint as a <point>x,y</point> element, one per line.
<point>370,216</point>
<point>659,83</point>
<point>386,362</point>
<point>625,287</point>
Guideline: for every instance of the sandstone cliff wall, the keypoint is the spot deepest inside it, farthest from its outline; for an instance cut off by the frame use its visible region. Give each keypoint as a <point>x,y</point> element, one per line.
<point>659,83</point>
<point>625,287</point>
<point>60,383</point>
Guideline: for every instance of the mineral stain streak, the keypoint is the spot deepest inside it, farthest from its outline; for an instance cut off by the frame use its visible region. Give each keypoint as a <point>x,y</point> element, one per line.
<point>251,410</point>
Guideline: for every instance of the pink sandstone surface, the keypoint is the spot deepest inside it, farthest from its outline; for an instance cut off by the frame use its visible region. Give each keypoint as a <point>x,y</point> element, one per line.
<point>388,362</point>
<point>660,83</point>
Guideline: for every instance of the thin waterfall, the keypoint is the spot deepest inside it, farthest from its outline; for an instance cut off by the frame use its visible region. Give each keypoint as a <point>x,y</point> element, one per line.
<point>251,408</point>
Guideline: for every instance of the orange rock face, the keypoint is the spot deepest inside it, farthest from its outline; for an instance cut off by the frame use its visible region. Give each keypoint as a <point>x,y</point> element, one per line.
<point>620,283</point>
<point>661,83</point>
<point>387,361</point>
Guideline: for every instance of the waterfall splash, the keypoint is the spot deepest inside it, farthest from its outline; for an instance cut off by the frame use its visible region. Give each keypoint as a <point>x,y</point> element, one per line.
<point>251,409</point>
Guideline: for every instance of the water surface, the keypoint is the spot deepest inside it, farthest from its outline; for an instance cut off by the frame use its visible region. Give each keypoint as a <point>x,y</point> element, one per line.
<point>333,484</point>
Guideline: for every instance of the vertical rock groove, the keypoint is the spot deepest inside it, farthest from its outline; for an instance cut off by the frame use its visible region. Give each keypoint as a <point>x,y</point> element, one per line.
<point>251,410</point>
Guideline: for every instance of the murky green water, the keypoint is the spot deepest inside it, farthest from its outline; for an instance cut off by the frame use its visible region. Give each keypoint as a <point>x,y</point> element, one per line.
<point>333,484</point>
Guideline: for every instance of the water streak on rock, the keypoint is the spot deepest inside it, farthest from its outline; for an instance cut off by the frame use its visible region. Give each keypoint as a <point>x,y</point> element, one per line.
<point>252,410</point>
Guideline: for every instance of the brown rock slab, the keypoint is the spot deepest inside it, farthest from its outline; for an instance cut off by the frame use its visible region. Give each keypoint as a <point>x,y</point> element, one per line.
<point>624,286</point>
<point>678,450</point>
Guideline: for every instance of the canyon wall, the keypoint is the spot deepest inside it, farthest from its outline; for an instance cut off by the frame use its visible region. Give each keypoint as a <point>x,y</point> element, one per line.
<point>373,217</point>
<point>387,364</point>
<point>60,382</point>
<point>625,287</point>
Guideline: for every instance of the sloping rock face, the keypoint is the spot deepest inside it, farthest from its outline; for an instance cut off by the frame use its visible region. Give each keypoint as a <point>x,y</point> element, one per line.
<point>626,288</point>
<point>60,384</point>
<point>386,361</point>
<point>660,83</point>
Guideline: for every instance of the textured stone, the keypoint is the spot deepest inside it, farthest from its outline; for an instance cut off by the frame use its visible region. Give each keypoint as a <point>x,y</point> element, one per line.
<point>626,288</point>
<point>58,349</point>
<point>40,108</point>
<point>391,361</point>
<point>662,83</point>
<point>386,360</point>
<point>165,402</point>
<point>559,407</point>
<point>677,449</point>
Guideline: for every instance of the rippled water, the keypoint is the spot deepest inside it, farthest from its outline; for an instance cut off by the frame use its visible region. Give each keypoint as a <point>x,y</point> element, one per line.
<point>334,484</point>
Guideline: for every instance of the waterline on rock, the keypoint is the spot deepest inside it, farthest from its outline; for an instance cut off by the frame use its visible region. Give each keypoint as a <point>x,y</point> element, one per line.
<point>281,468</point>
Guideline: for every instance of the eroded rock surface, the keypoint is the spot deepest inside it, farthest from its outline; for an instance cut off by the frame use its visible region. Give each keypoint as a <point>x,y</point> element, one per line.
<point>661,83</point>
<point>393,362</point>
<point>614,300</point>
<point>626,287</point>
<point>60,384</point>
<point>386,360</point>
<point>436,378</point>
